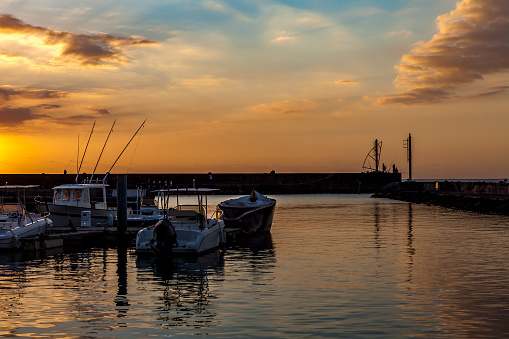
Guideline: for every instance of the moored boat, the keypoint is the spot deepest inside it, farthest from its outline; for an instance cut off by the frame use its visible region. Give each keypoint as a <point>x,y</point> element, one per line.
<point>185,229</point>
<point>76,205</point>
<point>16,223</point>
<point>253,213</point>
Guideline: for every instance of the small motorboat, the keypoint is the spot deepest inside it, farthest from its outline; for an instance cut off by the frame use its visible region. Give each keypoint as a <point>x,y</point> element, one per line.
<point>252,213</point>
<point>16,223</point>
<point>185,229</point>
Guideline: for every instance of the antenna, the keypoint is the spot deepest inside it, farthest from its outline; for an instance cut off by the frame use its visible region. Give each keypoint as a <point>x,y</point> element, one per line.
<point>374,153</point>
<point>97,163</point>
<point>79,168</point>
<point>107,173</point>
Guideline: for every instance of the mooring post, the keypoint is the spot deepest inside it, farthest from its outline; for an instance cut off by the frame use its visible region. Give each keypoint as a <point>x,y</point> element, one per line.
<point>121,202</point>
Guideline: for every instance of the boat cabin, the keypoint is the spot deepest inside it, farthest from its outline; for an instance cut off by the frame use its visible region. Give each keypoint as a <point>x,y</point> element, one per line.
<point>185,213</point>
<point>92,195</point>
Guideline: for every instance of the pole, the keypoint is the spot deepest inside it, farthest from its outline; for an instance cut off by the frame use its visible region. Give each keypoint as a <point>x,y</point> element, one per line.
<point>107,173</point>
<point>409,157</point>
<point>121,202</point>
<point>377,160</point>
<point>408,145</point>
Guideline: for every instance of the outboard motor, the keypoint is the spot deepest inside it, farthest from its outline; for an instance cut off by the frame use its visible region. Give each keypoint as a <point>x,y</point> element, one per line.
<point>165,236</point>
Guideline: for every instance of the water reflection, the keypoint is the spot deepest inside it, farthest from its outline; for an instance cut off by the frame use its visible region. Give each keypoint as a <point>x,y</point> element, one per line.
<point>185,297</point>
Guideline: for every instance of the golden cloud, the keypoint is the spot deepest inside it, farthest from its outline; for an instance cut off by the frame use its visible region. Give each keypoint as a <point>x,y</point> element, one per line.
<point>472,41</point>
<point>282,38</point>
<point>345,82</point>
<point>9,93</point>
<point>85,49</point>
<point>284,107</point>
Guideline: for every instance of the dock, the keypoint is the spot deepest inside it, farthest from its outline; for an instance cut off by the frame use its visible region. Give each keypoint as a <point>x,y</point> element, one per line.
<point>81,236</point>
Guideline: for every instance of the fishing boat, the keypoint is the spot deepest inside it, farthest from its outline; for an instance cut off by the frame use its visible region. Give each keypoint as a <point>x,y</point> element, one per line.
<point>83,204</point>
<point>252,213</point>
<point>185,228</point>
<point>16,223</point>
<point>79,205</point>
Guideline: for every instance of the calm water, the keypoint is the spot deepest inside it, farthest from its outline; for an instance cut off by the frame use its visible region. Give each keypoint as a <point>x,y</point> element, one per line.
<point>335,266</point>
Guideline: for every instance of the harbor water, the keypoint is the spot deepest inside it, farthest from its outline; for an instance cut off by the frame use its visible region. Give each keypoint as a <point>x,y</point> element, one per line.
<point>334,265</point>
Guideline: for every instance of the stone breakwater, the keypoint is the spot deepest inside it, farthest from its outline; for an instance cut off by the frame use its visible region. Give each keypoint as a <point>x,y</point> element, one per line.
<point>228,183</point>
<point>482,197</point>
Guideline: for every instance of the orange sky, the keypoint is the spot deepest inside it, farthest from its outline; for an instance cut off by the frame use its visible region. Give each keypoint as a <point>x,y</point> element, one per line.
<point>237,86</point>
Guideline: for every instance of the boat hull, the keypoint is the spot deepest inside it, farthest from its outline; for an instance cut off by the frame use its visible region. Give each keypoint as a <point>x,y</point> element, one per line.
<point>10,239</point>
<point>189,240</point>
<point>257,219</point>
<point>63,215</point>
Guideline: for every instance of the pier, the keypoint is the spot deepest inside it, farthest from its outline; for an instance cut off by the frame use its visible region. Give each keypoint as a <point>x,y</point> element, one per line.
<point>482,197</point>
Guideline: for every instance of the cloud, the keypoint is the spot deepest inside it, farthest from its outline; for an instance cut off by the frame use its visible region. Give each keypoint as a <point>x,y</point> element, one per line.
<point>472,42</point>
<point>489,92</point>
<point>84,49</point>
<point>102,111</point>
<point>285,107</point>
<point>9,93</point>
<point>415,96</point>
<point>345,82</point>
<point>282,38</point>
<point>14,116</point>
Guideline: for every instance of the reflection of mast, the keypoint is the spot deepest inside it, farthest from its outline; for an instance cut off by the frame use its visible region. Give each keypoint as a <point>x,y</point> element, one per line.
<point>373,154</point>
<point>410,237</point>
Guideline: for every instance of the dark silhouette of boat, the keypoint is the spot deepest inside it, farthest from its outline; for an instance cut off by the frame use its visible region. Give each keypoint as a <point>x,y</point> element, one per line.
<point>252,213</point>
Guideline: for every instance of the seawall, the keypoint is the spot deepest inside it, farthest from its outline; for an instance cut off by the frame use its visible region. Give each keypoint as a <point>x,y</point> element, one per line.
<point>482,197</point>
<point>228,183</point>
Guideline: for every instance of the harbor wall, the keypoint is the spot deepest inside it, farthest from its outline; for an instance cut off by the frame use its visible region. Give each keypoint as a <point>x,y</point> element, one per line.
<point>482,197</point>
<point>228,183</point>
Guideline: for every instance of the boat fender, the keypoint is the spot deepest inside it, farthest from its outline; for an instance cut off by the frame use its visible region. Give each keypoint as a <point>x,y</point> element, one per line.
<point>16,239</point>
<point>110,220</point>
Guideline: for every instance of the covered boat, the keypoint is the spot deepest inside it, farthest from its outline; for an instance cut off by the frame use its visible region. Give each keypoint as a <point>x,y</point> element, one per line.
<point>252,213</point>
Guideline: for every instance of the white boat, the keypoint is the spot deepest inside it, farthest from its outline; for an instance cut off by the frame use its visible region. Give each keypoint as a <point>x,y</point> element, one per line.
<point>77,205</point>
<point>16,223</point>
<point>252,213</point>
<point>185,229</point>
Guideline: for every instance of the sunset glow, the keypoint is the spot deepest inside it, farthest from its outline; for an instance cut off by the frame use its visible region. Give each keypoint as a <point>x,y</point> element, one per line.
<point>237,86</point>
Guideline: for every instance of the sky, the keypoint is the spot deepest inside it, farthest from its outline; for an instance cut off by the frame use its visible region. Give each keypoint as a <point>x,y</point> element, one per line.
<point>254,86</point>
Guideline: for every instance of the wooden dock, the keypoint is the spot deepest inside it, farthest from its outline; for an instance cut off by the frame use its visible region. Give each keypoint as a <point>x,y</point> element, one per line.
<point>79,236</point>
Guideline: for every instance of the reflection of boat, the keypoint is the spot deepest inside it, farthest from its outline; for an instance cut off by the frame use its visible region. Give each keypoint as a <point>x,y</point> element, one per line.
<point>16,223</point>
<point>253,213</point>
<point>79,205</point>
<point>196,265</point>
<point>185,229</point>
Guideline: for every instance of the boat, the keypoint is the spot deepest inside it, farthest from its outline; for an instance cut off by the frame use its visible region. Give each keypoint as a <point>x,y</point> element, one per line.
<point>16,223</point>
<point>185,228</point>
<point>83,204</point>
<point>79,205</point>
<point>251,214</point>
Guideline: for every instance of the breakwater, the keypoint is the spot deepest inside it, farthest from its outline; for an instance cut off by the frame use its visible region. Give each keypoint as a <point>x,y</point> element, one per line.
<point>482,197</point>
<point>228,183</point>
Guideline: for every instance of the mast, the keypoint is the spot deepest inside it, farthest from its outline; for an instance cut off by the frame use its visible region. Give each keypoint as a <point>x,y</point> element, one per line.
<point>97,163</point>
<point>84,152</point>
<point>107,173</point>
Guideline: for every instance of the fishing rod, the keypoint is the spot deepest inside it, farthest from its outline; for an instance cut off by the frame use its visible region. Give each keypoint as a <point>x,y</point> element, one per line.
<point>107,173</point>
<point>79,168</point>
<point>111,130</point>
